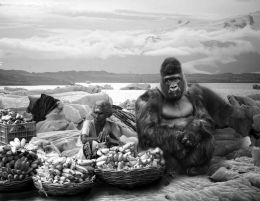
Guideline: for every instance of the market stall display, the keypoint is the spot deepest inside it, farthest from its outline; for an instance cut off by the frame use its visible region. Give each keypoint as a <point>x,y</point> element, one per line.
<point>17,166</point>
<point>122,166</point>
<point>14,125</point>
<point>63,176</point>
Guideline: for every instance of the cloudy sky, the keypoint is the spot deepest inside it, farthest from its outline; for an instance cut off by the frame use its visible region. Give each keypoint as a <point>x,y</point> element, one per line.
<point>130,36</point>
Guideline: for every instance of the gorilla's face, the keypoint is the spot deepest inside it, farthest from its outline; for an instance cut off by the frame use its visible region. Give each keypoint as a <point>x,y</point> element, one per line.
<point>172,86</point>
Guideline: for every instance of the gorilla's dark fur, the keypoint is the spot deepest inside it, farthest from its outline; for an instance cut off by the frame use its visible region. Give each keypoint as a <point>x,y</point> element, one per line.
<point>193,146</point>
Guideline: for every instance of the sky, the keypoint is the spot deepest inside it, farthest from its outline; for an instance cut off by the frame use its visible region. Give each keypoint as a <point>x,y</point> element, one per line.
<point>130,36</point>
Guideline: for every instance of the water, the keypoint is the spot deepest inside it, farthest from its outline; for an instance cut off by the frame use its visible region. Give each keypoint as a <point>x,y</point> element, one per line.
<point>118,96</point>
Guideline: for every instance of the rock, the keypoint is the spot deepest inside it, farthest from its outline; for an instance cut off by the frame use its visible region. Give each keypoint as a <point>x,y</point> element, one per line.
<point>256,122</point>
<point>223,174</point>
<point>71,114</point>
<point>255,97</point>
<point>137,86</point>
<point>107,86</point>
<point>256,86</point>
<point>14,101</point>
<point>55,121</point>
<point>54,125</point>
<point>226,134</point>
<point>128,105</point>
<point>90,99</point>
<point>83,110</point>
<point>225,147</point>
<point>243,100</point>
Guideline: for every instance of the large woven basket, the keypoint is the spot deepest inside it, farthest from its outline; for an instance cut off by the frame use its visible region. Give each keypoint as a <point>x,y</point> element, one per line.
<point>130,178</point>
<point>48,188</point>
<point>9,186</point>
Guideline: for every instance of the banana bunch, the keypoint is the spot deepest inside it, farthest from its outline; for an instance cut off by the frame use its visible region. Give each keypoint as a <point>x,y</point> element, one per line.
<point>17,164</point>
<point>64,170</point>
<point>17,144</point>
<point>125,157</point>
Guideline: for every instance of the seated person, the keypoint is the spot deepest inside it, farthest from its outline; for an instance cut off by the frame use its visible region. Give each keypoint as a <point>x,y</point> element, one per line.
<point>181,121</point>
<point>98,132</point>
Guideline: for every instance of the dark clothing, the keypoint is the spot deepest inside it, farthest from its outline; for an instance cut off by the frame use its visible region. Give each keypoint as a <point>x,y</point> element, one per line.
<point>43,106</point>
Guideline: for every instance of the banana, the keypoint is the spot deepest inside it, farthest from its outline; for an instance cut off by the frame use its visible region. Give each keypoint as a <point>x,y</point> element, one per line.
<point>104,150</point>
<point>13,149</point>
<point>81,169</point>
<point>102,158</point>
<point>79,173</point>
<point>23,142</point>
<point>17,142</point>
<point>85,162</point>
<point>12,143</point>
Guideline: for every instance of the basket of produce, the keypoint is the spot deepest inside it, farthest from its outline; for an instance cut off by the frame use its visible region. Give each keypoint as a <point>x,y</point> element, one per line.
<point>123,167</point>
<point>14,125</point>
<point>63,176</point>
<point>17,166</point>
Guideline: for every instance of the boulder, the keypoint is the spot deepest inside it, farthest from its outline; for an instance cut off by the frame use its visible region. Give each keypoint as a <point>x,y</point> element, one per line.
<point>256,123</point>
<point>13,101</point>
<point>83,110</point>
<point>255,97</point>
<point>71,114</point>
<point>228,141</point>
<point>90,99</point>
<point>128,105</point>
<point>136,86</point>
<point>55,121</point>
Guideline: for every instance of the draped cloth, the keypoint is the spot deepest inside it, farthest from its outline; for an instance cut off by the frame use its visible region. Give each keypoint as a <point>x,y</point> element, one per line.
<point>43,106</point>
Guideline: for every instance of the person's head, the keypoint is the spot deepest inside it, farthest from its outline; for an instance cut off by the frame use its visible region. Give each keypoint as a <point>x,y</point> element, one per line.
<point>102,110</point>
<point>173,83</point>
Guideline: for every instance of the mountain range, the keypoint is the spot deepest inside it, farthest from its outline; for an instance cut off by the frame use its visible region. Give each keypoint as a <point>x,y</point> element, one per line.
<point>15,77</point>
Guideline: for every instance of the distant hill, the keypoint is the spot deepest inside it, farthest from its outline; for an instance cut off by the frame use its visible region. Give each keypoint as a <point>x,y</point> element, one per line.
<point>18,77</point>
<point>15,77</point>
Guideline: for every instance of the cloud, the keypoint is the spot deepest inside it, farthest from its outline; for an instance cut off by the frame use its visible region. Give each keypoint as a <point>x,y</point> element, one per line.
<point>217,46</point>
<point>245,0</point>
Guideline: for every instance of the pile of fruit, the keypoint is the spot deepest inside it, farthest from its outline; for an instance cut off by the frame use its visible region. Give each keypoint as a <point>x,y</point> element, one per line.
<point>64,170</point>
<point>17,163</point>
<point>125,157</point>
<point>8,117</point>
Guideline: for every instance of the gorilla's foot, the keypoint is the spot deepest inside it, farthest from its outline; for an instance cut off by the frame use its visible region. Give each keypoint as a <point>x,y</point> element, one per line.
<point>193,171</point>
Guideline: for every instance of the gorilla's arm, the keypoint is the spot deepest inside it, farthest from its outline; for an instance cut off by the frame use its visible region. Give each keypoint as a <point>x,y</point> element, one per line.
<point>223,113</point>
<point>150,132</point>
<point>217,107</point>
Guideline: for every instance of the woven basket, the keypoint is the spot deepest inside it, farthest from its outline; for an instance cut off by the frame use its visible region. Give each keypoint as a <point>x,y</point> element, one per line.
<point>130,178</point>
<point>7,186</point>
<point>48,188</point>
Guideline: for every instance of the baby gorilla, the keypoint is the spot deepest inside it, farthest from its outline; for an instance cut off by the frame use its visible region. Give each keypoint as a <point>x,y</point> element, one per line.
<point>197,144</point>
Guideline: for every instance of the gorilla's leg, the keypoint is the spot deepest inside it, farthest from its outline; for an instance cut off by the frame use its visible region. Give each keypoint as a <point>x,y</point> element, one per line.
<point>197,162</point>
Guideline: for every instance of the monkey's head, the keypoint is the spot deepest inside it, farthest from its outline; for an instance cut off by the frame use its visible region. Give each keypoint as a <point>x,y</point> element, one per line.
<point>173,83</point>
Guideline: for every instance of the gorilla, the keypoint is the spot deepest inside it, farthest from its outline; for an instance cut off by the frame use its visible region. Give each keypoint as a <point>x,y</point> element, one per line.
<point>182,121</point>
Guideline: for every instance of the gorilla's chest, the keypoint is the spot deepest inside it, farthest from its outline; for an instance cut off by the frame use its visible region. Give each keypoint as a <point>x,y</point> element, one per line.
<point>177,113</point>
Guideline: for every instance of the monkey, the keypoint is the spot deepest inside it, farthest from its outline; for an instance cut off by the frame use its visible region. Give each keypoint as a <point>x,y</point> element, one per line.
<point>181,120</point>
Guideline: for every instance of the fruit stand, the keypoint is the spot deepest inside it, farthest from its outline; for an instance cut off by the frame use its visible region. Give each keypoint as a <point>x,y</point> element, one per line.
<point>116,173</point>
